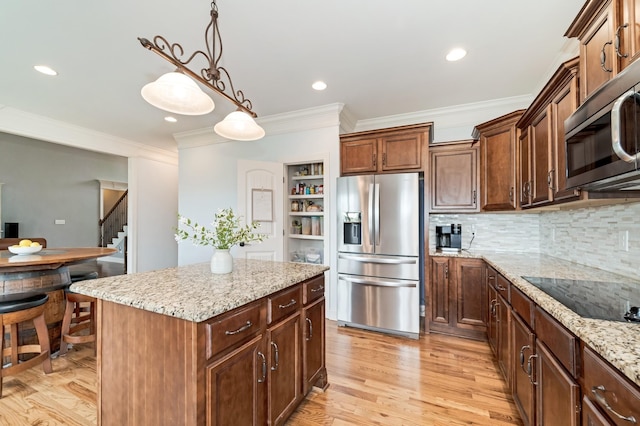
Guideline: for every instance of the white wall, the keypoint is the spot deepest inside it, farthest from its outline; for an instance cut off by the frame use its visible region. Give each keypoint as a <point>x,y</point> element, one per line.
<point>153,208</point>
<point>208,179</point>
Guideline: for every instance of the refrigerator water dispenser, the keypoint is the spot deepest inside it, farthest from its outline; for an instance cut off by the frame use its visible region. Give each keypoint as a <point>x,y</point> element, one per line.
<point>353,228</point>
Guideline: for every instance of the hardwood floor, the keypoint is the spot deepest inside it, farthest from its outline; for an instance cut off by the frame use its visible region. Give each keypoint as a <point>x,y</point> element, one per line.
<point>374,379</point>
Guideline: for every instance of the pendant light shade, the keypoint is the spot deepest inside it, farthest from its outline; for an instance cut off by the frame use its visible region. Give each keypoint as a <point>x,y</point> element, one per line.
<point>239,126</point>
<point>177,93</point>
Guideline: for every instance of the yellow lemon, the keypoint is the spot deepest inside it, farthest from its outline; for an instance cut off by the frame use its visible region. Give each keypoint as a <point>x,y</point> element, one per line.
<point>25,243</point>
<point>35,244</point>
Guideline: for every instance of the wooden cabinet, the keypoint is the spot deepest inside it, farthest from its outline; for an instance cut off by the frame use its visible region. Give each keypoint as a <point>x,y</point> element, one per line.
<point>498,154</point>
<point>558,394</point>
<point>236,386</point>
<point>457,296</point>
<point>499,320</point>
<point>522,380</point>
<point>542,151</point>
<point>314,370</point>
<point>390,150</point>
<point>454,177</point>
<point>612,397</point>
<point>627,36</point>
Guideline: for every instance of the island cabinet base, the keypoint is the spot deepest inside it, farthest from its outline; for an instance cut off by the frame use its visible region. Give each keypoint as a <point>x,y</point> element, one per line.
<point>251,365</point>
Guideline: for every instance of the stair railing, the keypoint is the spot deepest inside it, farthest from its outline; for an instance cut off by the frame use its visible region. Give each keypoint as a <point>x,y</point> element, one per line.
<point>114,221</point>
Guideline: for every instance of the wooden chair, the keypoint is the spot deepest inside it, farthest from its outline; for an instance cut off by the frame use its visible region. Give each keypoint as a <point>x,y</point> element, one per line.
<point>15,309</point>
<point>79,315</point>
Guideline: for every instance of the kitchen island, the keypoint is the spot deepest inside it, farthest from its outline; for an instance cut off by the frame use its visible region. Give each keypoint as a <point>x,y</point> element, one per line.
<point>185,346</point>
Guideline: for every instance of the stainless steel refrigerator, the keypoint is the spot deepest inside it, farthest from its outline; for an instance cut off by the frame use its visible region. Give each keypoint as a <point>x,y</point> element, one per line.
<point>380,252</point>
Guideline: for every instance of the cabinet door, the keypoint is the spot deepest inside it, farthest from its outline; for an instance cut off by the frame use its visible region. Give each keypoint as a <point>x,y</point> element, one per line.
<point>358,156</point>
<point>628,33</point>
<point>504,338</point>
<point>562,106</point>
<point>454,179</point>
<point>558,395</point>
<point>284,379</point>
<point>313,350</point>
<point>541,158</point>
<point>524,146</point>
<point>522,386</point>
<point>591,415</point>
<point>401,152</point>
<point>498,175</point>
<point>597,54</point>
<point>236,392</point>
<point>440,305</point>
<point>492,311</point>
<point>470,292</point>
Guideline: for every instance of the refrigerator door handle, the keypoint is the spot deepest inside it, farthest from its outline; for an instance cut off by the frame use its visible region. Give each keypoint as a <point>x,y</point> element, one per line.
<point>376,198</point>
<point>377,282</point>
<point>370,213</point>
<point>386,260</point>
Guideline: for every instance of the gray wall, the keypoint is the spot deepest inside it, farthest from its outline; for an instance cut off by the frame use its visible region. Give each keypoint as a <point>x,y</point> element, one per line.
<point>44,182</point>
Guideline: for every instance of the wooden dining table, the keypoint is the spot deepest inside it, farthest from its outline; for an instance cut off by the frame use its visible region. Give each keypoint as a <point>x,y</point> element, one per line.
<point>44,272</point>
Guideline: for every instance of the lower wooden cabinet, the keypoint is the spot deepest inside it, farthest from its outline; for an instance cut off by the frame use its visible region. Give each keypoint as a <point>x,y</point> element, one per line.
<point>558,394</point>
<point>236,386</point>
<point>457,296</point>
<point>523,377</point>
<point>284,377</point>
<point>313,346</point>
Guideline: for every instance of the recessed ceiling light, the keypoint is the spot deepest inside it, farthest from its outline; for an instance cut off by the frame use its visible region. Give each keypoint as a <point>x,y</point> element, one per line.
<point>170,119</point>
<point>456,54</point>
<point>45,70</point>
<point>319,85</point>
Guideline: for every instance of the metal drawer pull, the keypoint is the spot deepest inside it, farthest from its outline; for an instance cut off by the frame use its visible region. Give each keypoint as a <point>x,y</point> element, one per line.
<point>530,370</point>
<point>603,57</point>
<point>499,287</point>
<point>602,400</point>
<point>288,305</point>
<point>264,368</point>
<point>277,356</point>
<point>522,349</point>
<point>315,290</point>
<point>616,43</point>
<point>310,330</point>
<point>240,330</point>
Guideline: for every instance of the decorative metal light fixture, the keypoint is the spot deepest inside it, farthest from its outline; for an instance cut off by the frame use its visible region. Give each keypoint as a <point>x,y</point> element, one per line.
<point>178,93</point>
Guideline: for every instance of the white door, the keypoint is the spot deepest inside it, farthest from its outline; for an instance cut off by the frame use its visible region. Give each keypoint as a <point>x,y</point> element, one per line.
<point>260,186</point>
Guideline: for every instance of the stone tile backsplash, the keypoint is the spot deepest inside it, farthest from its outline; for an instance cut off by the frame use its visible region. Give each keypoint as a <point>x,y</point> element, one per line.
<point>605,237</point>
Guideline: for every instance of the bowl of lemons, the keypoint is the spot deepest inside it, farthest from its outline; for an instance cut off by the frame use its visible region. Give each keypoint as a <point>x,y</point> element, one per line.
<point>25,247</point>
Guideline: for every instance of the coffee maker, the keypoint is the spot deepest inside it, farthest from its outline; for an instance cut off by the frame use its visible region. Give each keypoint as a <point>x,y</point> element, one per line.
<point>449,238</point>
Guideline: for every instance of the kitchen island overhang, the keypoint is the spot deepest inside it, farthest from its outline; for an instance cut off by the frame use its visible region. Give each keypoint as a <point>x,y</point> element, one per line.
<point>174,344</point>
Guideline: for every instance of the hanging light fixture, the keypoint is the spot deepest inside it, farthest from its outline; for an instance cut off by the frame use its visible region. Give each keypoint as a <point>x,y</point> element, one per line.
<point>177,91</point>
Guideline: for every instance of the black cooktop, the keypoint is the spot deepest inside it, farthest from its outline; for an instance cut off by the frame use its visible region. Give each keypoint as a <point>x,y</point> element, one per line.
<point>593,299</point>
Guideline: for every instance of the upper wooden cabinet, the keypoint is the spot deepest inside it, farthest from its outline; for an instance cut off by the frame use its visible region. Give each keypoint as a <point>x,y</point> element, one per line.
<point>454,177</point>
<point>542,151</point>
<point>390,150</point>
<point>609,35</point>
<point>498,148</point>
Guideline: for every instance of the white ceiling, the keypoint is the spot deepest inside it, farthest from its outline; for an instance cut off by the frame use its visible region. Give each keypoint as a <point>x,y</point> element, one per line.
<point>379,58</point>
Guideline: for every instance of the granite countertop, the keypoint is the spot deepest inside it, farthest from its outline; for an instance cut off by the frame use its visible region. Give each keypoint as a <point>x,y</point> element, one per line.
<point>193,293</point>
<point>617,342</point>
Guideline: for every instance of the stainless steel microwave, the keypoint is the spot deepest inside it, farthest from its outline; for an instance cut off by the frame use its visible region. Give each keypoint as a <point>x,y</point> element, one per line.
<point>602,136</point>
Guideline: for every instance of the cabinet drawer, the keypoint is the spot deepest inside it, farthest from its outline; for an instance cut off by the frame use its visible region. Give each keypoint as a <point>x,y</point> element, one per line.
<point>503,287</point>
<point>284,303</point>
<point>522,305</point>
<point>609,390</point>
<point>562,343</point>
<point>313,289</point>
<point>234,327</point>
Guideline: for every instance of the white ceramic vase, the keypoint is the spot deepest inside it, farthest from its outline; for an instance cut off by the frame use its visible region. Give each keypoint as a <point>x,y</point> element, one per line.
<point>221,262</point>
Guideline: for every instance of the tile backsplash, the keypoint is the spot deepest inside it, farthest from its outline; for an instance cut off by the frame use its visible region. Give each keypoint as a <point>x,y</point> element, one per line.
<point>605,237</point>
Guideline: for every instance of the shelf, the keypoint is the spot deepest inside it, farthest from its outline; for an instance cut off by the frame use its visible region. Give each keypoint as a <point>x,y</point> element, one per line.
<point>306,237</point>
<point>306,213</point>
<point>306,196</point>
<point>307,177</point>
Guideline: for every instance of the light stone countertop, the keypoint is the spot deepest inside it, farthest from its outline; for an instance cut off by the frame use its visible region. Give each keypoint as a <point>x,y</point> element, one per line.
<point>193,293</point>
<point>617,342</point>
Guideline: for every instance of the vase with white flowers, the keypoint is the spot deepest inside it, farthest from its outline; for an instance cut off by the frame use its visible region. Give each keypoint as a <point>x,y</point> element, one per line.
<point>225,232</point>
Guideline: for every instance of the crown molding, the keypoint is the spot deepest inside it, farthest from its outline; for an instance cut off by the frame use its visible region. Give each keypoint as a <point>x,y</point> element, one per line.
<point>277,124</point>
<point>34,126</point>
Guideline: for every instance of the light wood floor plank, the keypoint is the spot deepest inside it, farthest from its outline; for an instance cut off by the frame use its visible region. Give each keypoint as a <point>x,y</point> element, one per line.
<point>375,379</point>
